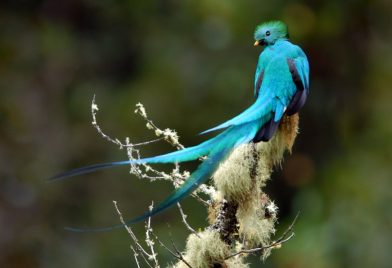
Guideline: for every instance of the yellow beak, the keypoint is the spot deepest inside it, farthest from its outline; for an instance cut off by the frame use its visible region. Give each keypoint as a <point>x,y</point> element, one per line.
<point>256,43</point>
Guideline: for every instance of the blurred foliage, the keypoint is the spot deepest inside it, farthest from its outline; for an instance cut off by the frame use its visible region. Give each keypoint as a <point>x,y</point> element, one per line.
<point>191,63</point>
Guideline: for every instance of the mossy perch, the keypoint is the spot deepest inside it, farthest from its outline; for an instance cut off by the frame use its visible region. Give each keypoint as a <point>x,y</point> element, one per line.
<point>241,216</point>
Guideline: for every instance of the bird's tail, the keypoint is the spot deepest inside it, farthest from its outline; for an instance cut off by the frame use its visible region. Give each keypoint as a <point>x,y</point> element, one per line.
<point>187,154</point>
<point>262,110</point>
<point>221,147</point>
<point>199,176</point>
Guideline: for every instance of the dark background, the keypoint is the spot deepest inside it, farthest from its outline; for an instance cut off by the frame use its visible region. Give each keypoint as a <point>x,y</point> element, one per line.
<point>191,63</point>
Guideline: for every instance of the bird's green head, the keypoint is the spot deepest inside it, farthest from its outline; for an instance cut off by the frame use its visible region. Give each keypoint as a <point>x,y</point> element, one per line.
<point>269,32</point>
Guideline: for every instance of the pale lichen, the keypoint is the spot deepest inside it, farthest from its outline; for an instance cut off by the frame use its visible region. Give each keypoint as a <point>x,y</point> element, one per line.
<point>140,110</point>
<point>205,250</point>
<point>233,179</point>
<point>240,180</point>
<point>254,227</point>
<point>242,218</point>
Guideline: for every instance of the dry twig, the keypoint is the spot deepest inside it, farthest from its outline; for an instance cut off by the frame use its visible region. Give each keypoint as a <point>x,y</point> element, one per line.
<point>139,249</point>
<point>135,255</point>
<point>177,254</point>
<point>184,220</point>
<point>148,172</point>
<point>94,109</point>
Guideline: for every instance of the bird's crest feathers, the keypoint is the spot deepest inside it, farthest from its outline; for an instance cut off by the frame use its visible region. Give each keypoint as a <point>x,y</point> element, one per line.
<point>271,31</point>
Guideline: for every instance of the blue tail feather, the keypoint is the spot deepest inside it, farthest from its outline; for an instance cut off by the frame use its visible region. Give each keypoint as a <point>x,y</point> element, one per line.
<point>216,149</point>
<point>199,176</point>
<point>87,169</point>
<point>184,155</point>
<point>187,154</point>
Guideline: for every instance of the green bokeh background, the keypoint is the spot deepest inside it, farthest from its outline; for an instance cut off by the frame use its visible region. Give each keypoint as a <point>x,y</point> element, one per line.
<point>191,63</point>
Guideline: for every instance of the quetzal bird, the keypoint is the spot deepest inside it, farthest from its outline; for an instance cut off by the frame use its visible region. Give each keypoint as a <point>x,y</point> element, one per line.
<point>281,87</point>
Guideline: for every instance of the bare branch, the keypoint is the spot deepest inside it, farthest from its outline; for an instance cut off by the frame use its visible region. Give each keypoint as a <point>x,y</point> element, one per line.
<point>178,253</point>
<point>276,244</point>
<point>149,241</point>
<point>135,255</point>
<point>289,229</point>
<point>175,254</point>
<point>139,248</point>
<point>94,109</point>
<point>169,135</point>
<point>184,220</point>
<point>145,171</point>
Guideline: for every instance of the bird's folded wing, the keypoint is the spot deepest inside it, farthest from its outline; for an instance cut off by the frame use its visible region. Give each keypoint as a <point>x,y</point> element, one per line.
<point>302,66</point>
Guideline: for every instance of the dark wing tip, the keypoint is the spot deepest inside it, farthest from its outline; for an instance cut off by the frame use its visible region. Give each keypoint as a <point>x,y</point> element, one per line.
<point>297,102</point>
<point>300,96</point>
<point>258,84</point>
<point>295,75</point>
<point>267,131</point>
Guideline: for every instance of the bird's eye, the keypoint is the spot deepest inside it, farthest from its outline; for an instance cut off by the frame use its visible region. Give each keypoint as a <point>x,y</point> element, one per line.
<point>267,33</point>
